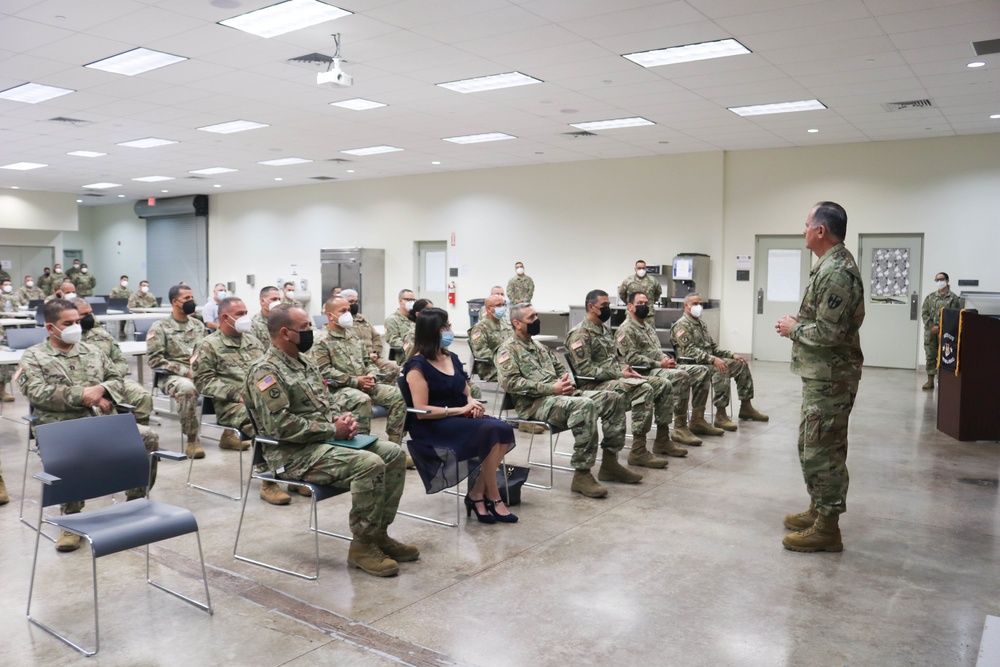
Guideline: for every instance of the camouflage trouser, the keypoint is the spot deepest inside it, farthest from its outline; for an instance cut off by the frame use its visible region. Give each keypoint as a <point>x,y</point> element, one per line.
<point>826,410</point>
<point>151,439</point>
<point>580,414</point>
<point>391,399</point>
<point>355,401</point>
<point>375,476</point>
<point>738,371</point>
<point>646,398</point>
<point>182,390</point>
<point>234,415</point>
<point>700,380</point>
<point>931,351</point>
<point>135,394</point>
<point>390,368</point>
<point>6,373</point>
<point>474,390</point>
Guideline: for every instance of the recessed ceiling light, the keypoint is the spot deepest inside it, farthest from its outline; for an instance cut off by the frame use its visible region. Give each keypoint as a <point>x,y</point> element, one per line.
<point>812,131</point>
<point>350,171</point>
<point>285,17</point>
<point>492,82</point>
<point>372,150</point>
<point>33,93</point>
<point>79,201</point>
<point>479,138</point>
<point>149,142</point>
<point>164,191</point>
<point>281,162</point>
<point>216,186</point>
<point>153,179</point>
<point>780,107</point>
<point>135,62</point>
<point>435,162</point>
<point>279,179</point>
<point>978,63</point>
<point>358,104</point>
<point>996,115</point>
<point>121,195</point>
<point>86,154</point>
<point>688,53</point>
<point>233,126</point>
<point>23,166</point>
<point>612,124</point>
<point>15,187</point>
<point>102,186</point>
<point>212,171</point>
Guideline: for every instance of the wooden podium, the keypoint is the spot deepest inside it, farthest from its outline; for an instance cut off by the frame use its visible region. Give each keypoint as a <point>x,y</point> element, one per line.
<point>969,402</point>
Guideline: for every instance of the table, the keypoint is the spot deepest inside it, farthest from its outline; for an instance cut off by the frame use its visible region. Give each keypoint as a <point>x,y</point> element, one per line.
<point>118,316</point>
<point>18,313</point>
<point>156,309</point>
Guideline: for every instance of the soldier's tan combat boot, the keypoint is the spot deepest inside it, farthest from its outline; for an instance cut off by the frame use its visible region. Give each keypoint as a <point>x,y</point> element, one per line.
<point>4,498</point>
<point>699,426</point>
<point>194,450</point>
<point>365,555</point>
<point>272,493</point>
<point>67,541</point>
<point>663,445</point>
<point>397,439</point>
<point>410,465</point>
<point>399,552</point>
<point>723,421</point>
<point>612,471</point>
<point>929,385</point>
<point>230,440</point>
<point>4,396</point>
<point>640,456</point>
<point>824,535</point>
<point>802,520</point>
<point>682,434</point>
<point>531,428</point>
<point>585,484</point>
<point>748,411</point>
<point>301,490</point>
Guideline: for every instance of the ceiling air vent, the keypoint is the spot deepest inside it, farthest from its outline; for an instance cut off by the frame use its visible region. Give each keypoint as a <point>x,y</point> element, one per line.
<point>322,178</point>
<point>911,104</point>
<point>986,47</point>
<point>76,122</point>
<point>196,178</point>
<point>580,134</point>
<point>91,194</point>
<point>339,160</point>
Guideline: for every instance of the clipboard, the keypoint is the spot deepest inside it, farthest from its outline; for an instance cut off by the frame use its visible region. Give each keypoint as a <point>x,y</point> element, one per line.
<point>360,441</point>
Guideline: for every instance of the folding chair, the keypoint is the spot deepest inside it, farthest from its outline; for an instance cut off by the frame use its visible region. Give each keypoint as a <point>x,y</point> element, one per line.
<point>319,492</point>
<point>473,370</point>
<point>505,407</point>
<point>141,328</point>
<point>89,458</point>
<point>23,338</point>
<point>208,410</point>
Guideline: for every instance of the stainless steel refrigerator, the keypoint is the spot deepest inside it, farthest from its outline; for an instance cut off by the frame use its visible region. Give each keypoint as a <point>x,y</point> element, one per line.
<point>362,269</point>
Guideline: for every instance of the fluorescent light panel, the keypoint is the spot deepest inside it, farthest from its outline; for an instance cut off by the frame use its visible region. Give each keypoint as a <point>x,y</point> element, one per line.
<point>149,142</point>
<point>23,166</point>
<point>779,107</point>
<point>281,162</point>
<point>86,154</point>
<point>136,61</point>
<point>372,150</point>
<point>233,126</point>
<point>153,179</point>
<point>613,124</point>
<point>212,171</point>
<point>285,17</point>
<point>479,138</point>
<point>357,104</point>
<point>688,53</point>
<point>33,93</point>
<point>102,186</point>
<point>492,82</point>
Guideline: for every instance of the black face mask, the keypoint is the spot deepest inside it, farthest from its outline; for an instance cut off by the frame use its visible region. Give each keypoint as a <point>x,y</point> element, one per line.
<point>47,272</point>
<point>305,341</point>
<point>355,308</point>
<point>642,312</point>
<point>534,328</point>
<point>87,322</point>
<point>605,314</point>
<point>189,307</point>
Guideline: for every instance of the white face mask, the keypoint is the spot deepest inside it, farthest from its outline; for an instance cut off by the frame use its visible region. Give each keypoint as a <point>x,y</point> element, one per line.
<point>346,320</point>
<point>244,324</point>
<point>941,284</point>
<point>696,310</point>
<point>408,305</point>
<point>83,270</point>
<point>29,283</point>
<point>58,270</point>
<point>144,289</point>
<point>290,294</point>
<point>124,283</point>
<point>8,288</point>
<point>222,294</point>
<point>71,335</point>
<point>519,270</point>
<point>641,273</point>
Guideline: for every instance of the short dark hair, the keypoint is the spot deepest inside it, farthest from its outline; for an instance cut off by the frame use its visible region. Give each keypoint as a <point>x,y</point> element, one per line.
<point>123,278</point>
<point>6,280</point>
<point>418,306</point>
<point>640,261</point>
<point>942,273</point>
<point>269,288</point>
<point>517,310</point>
<point>228,303</point>
<point>141,282</point>
<point>176,290</point>
<point>631,297</point>
<point>832,216</point>
<point>222,285</point>
<point>280,317</point>
<point>593,295</point>
<point>427,333</point>
<point>54,308</point>
<point>287,283</point>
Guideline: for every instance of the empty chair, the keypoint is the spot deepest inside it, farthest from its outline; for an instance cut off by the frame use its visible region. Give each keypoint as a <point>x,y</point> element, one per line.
<point>35,304</point>
<point>118,304</point>
<point>99,308</point>
<point>142,328</point>
<point>22,339</point>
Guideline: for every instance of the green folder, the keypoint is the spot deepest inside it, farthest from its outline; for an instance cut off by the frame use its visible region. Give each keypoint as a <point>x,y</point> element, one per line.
<point>359,442</point>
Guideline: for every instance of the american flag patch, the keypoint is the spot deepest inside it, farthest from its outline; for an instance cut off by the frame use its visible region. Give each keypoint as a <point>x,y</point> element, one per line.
<point>577,345</point>
<point>266,382</point>
<point>476,335</point>
<point>503,357</point>
<point>680,332</point>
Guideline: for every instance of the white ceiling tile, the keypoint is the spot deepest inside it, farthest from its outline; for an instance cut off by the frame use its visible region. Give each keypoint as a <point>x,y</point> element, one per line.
<point>831,33</point>
<point>884,7</point>
<point>801,16</point>
<point>626,21</point>
<point>969,32</point>
<point>939,17</point>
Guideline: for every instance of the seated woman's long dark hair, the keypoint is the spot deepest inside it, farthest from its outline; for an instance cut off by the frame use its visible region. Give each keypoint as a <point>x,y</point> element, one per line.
<point>427,334</point>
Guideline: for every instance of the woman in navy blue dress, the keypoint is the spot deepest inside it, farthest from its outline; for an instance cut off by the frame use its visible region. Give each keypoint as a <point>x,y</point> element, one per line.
<point>459,435</point>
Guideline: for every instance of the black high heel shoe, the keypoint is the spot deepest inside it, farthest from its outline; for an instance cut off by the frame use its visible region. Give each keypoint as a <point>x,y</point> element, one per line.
<point>470,507</point>
<point>502,518</point>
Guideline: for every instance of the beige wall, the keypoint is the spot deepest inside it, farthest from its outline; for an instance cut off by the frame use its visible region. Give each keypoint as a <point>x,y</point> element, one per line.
<point>113,240</point>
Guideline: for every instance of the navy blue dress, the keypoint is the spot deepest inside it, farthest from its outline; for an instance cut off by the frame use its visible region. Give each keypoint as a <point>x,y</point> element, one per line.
<point>447,450</point>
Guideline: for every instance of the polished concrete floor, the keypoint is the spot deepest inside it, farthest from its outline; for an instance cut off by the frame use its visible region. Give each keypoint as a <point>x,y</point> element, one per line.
<point>685,568</point>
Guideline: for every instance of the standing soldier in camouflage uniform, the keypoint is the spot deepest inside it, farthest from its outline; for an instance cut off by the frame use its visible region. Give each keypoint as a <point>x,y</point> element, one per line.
<point>591,351</point>
<point>520,288</point>
<point>640,281</point>
<point>288,295</point>
<point>930,313</point>
<point>543,390</point>
<point>45,281</point>
<point>638,345</point>
<point>121,290</point>
<point>270,297</point>
<point>364,330</point>
<point>291,404</point>
<point>29,292</point>
<point>84,281</point>
<point>485,338</point>
<point>7,302</point>
<point>64,378</point>
<point>691,339</point>
<point>142,298</point>
<point>399,326</point>
<point>170,346</point>
<point>341,358</point>
<point>73,271</point>
<point>826,354</point>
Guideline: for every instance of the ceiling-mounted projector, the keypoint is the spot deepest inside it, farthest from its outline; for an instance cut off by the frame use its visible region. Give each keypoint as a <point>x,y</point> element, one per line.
<point>335,75</point>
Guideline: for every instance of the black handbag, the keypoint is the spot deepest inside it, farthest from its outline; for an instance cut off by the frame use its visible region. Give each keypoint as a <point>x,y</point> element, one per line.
<point>508,477</point>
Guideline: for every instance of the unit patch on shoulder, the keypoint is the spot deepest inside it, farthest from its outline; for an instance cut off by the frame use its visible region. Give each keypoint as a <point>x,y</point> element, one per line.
<point>680,332</point>
<point>621,336</point>
<point>274,393</point>
<point>477,335</point>
<point>151,334</point>
<point>504,357</point>
<point>267,382</point>
<point>194,358</point>
<point>576,345</point>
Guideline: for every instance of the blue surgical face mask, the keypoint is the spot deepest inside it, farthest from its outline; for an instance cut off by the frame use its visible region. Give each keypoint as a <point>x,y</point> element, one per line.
<point>499,312</point>
<point>447,338</point>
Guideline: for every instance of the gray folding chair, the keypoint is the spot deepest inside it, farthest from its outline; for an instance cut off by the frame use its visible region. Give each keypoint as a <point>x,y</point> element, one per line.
<point>208,419</point>
<point>89,458</point>
<point>23,338</point>
<point>504,413</point>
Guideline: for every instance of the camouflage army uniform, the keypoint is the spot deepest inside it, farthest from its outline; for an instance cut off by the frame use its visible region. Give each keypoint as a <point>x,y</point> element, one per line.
<point>648,284</point>
<point>527,370</point>
<point>53,381</point>
<point>85,283</point>
<point>364,330</point>
<point>138,299</point>
<point>26,294</point>
<point>120,292</point>
<point>485,339</point>
<point>504,321</point>
<point>219,370</point>
<point>259,331</point>
<point>290,302</point>
<point>341,358</point>
<point>520,289</point>
<point>102,340</point>
<point>9,302</point>
<point>690,338</point>
<point>169,346</point>
<point>292,405</point>
<point>397,326</point>
<point>930,313</point>
<point>45,283</point>
<point>591,347</point>
<point>826,354</point>
<point>71,273</point>
<point>4,275</point>
<point>638,345</point>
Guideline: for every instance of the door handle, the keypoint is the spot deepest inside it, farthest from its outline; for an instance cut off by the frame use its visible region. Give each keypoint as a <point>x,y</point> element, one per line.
<point>914,306</point>
<point>760,300</point>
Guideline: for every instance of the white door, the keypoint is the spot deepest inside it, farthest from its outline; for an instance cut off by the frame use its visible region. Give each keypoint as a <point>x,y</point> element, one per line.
<point>890,272</point>
<point>432,271</point>
<point>781,273</point>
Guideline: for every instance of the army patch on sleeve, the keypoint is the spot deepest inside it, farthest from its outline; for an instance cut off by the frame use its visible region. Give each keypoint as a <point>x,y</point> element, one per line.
<point>406,346</point>
<point>680,332</point>
<point>834,301</point>
<point>151,334</point>
<point>621,336</point>
<point>832,308</point>
<point>274,393</point>
<point>267,382</point>
<point>17,374</point>
<point>476,335</point>
<point>576,345</point>
<point>504,357</point>
<point>194,358</point>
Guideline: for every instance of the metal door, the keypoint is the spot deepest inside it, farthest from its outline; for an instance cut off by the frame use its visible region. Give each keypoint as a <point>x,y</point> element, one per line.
<point>432,271</point>
<point>781,273</point>
<point>891,273</point>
